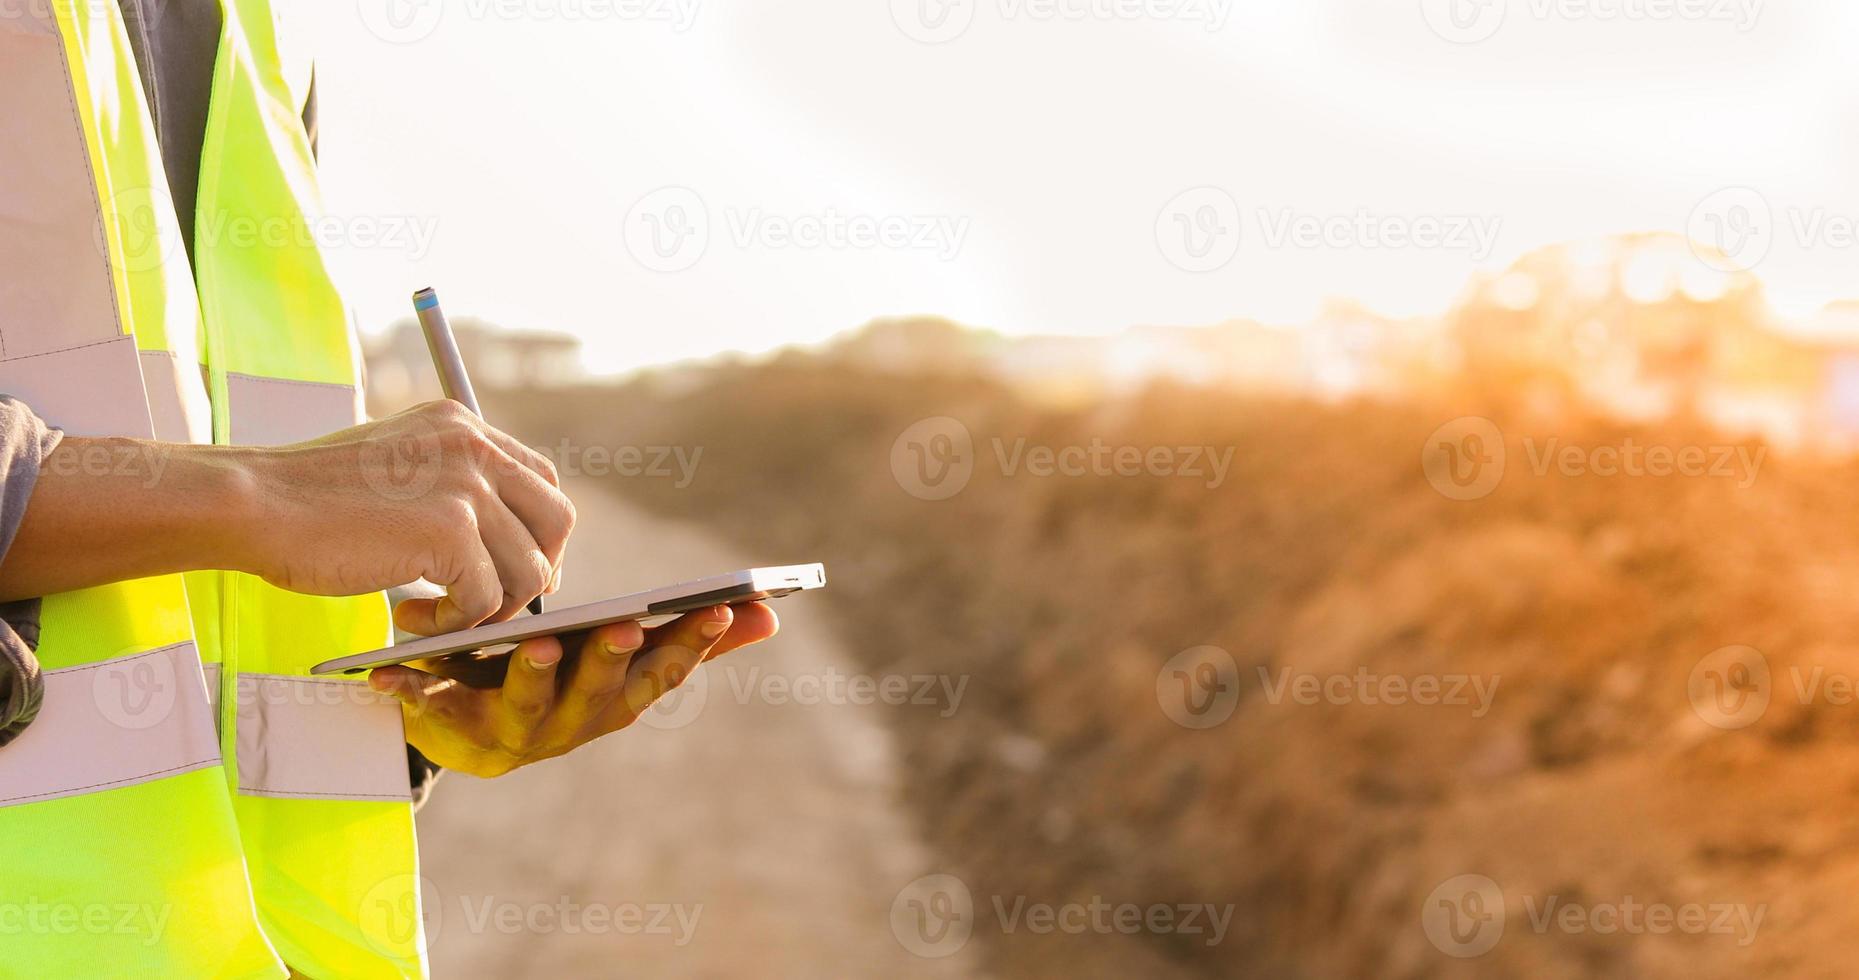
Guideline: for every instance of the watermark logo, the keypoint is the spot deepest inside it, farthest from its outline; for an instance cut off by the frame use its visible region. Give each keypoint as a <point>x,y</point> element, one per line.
<point>1732,230</point>
<point>1366,687</point>
<point>1730,688</point>
<point>941,235</point>
<point>676,920</point>
<point>1472,21</point>
<point>396,910</point>
<point>933,21</point>
<point>684,695</point>
<point>675,463</point>
<point>1202,229</point>
<point>1475,235</point>
<point>1464,21</point>
<point>1464,916</point>
<point>1464,459</point>
<point>1198,688</point>
<point>1198,230</point>
<point>136,693</point>
<point>668,230</point>
<point>36,920</point>
<point>933,916</point>
<point>146,235</point>
<point>144,462</point>
<point>404,463</point>
<point>933,459</point>
<point>400,21</point>
<point>831,687</point>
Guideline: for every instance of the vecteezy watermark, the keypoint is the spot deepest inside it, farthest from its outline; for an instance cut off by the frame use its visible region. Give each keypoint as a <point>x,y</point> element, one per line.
<point>831,687</point>
<point>1200,687</point>
<point>139,230</point>
<point>24,921</point>
<point>1733,229</point>
<point>934,459</point>
<point>398,909</point>
<point>409,234</point>
<point>1366,687</point>
<point>568,917</point>
<point>1202,229</point>
<point>1465,459</point>
<point>1475,235</point>
<point>1198,230</point>
<point>675,463</point>
<point>139,692</point>
<point>935,915</point>
<point>669,230</point>
<point>1467,915</point>
<point>406,458</point>
<point>1472,21</point>
<point>408,21</point>
<point>142,463</point>
<point>940,235</point>
<point>940,21</point>
<point>1732,687</point>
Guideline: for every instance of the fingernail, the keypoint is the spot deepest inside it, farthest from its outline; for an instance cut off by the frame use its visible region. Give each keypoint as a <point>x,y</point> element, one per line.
<point>635,638</point>
<point>712,630</point>
<point>542,662</point>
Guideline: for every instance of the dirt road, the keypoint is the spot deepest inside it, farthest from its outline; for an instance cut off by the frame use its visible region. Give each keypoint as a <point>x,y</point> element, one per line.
<point>733,837</point>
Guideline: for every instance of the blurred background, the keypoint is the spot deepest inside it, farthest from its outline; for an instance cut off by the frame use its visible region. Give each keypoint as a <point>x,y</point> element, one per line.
<point>1309,489</point>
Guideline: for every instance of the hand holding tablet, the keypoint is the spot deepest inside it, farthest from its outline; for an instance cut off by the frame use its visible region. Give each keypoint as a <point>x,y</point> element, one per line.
<point>747,585</point>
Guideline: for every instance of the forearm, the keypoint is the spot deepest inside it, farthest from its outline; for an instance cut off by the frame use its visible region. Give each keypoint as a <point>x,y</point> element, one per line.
<point>110,510</point>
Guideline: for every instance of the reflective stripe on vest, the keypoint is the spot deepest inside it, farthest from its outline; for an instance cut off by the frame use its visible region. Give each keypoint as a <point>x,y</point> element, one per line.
<point>279,411</point>
<point>119,722</point>
<point>315,737</point>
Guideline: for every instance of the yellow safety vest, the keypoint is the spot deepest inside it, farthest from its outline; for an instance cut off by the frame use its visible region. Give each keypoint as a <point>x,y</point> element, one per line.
<point>189,802</point>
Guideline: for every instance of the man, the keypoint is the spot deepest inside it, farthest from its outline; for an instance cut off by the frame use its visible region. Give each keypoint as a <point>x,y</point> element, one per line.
<point>183,481</point>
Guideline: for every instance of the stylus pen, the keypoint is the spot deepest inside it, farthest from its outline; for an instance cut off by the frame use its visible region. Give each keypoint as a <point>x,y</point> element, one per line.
<point>453,381</point>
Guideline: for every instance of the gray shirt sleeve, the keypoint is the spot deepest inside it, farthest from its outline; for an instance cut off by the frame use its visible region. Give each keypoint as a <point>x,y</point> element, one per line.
<point>25,441</point>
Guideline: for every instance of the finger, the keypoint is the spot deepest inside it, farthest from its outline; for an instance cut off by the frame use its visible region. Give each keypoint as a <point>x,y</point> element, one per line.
<point>431,700</point>
<point>599,675</point>
<point>472,591</point>
<point>528,692</point>
<point>523,571</point>
<point>753,623</point>
<point>544,510</point>
<point>521,453</point>
<point>673,652</point>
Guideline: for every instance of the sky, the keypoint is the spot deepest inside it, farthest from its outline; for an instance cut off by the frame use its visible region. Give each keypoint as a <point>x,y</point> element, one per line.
<point>671,179</point>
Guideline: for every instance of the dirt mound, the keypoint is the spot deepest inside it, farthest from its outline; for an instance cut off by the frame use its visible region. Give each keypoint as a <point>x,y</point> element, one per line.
<point>1529,688</point>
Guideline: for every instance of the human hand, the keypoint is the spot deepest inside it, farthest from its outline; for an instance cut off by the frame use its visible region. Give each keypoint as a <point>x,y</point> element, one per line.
<point>432,492</point>
<point>488,715</point>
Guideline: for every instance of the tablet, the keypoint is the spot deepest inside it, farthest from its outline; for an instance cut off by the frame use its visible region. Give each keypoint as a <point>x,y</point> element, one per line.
<point>747,585</point>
